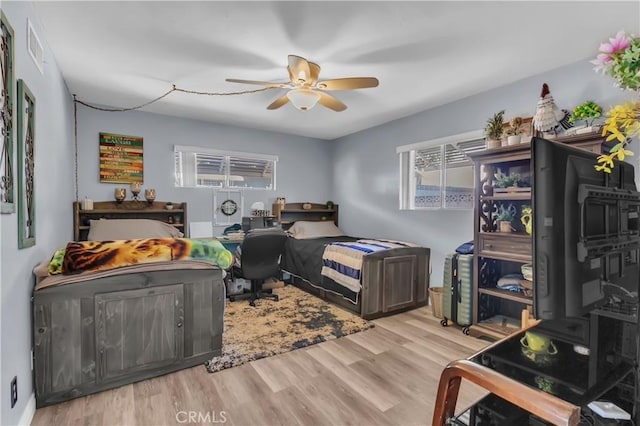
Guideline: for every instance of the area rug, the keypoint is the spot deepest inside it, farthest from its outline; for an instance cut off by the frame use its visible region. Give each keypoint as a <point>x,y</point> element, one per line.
<point>297,320</point>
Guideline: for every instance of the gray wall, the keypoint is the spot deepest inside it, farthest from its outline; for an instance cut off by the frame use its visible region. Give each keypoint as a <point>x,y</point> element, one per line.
<point>303,170</point>
<point>366,166</point>
<point>54,193</point>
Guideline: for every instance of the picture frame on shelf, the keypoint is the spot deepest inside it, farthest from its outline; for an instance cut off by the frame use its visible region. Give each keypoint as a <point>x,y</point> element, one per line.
<point>25,111</point>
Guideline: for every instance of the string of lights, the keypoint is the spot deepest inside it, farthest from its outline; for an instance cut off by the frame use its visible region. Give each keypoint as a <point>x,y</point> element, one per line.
<point>167,93</point>
<point>77,102</point>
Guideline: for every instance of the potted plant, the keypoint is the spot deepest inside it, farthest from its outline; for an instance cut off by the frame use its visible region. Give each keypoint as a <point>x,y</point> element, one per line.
<point>330,204</point>
<point>514,131</point>
<point>503,180</point>
<point>505,216</point>
<point>588,112</point>
<point>169,205</point>
<point>505,183</point>
<point>494,128</point>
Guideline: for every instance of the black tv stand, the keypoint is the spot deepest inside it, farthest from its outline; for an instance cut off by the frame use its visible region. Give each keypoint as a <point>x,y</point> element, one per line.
<point>570,380</point>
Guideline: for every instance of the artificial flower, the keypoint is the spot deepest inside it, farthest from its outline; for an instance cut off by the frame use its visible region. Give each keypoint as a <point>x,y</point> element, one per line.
<point>622,153</point>
<point>587,111</point>
<point>620,59</point>
<point>606,163</point>
<point>601,62</point>
<point>620,42</point>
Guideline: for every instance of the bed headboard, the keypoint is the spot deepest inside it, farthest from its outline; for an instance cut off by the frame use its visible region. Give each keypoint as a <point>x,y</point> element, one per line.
<point>287,214</point>
<point>158,210</point>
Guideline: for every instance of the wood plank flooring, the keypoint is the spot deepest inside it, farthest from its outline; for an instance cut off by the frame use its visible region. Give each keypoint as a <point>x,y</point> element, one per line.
<point>387,375</point>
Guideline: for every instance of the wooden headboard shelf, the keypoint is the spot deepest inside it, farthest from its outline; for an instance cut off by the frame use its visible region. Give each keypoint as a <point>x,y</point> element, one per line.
<point>177,216</point>
<point>288,214</point>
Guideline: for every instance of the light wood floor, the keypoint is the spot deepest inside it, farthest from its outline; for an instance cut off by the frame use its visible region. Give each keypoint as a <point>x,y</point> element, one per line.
<point>384,376</point>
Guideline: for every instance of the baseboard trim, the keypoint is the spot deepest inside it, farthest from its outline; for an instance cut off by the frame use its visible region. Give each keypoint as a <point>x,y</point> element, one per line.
<point>29,411</point>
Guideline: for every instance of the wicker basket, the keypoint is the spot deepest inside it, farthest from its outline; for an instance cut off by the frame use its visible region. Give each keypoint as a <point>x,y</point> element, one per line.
<point>436,294</point>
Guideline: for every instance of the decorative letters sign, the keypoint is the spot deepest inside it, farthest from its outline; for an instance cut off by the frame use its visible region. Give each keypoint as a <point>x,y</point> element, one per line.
<point>120,158</point>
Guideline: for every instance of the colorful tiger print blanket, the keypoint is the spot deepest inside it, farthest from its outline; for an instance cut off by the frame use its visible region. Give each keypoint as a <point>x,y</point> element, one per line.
<point>90,256</point>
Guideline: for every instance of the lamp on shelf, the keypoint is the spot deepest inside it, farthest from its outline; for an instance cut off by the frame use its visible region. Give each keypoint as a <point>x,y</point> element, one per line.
<point>120,194</point>
<point>150,195</point>
<point>302,98</point>
<point>135,190</point>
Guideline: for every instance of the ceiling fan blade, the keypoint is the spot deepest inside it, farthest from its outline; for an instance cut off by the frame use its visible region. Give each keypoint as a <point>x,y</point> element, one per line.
<point>330,102</point>
<point>259,83</point>
<point>279,102</point>
<point>299,67</point>
<point>314,72</point>
<point>348,83</point>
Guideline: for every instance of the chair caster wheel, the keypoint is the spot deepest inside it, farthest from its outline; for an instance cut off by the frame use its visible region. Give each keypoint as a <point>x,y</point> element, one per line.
<point>276,298</point>
<point>252,303</point>
<point>444,323</point>
<point>232,299</point>
<point>466,331</point>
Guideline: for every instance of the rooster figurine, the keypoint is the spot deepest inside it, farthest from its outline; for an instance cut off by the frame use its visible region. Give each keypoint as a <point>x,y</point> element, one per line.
<point>548,116</point>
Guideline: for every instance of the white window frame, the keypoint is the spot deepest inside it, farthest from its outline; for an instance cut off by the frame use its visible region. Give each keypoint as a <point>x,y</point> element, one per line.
<point>190,177</point>
<point>407,178</point>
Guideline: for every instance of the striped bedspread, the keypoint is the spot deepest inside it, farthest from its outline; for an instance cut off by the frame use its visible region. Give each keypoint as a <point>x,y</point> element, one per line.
<point>342,262</point>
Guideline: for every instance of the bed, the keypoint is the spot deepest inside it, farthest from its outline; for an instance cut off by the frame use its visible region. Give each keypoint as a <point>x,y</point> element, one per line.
<point>100,329</point>
<point>390,280</point>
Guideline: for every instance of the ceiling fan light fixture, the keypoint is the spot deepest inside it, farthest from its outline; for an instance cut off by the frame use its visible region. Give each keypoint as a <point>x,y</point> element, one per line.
<point>303,82</point>
<point>303,99</point>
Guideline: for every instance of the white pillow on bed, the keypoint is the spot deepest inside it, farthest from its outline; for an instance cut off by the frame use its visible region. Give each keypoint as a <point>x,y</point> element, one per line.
<point>304,229</point>
<point>128,229</point>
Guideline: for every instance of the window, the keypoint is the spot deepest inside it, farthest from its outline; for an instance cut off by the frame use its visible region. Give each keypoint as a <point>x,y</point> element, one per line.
<point>203,167</point>
<point>438,173</point>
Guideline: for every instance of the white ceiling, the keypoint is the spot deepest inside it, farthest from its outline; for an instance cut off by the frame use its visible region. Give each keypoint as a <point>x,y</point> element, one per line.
<point>425,54</point>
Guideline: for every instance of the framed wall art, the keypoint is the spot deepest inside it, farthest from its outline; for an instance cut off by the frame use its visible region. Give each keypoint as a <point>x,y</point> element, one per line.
<point>7,203</point>
<point>26,112</point>
<point>121,158</point>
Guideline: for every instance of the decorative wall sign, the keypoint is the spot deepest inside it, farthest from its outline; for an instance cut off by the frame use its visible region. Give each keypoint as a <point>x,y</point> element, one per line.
<point>7,204</point>
<point>120,158</point>
<point>26,111</point>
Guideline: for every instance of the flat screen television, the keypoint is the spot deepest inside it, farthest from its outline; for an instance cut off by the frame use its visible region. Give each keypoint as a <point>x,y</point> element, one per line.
<point>585,231</point>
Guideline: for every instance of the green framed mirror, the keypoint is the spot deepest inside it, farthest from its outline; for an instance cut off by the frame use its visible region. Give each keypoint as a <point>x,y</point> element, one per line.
<point>7,202</point>
<point>26,166</point>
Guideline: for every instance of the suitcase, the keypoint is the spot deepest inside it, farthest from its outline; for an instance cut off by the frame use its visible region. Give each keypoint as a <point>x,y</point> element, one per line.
<point>458,290</point>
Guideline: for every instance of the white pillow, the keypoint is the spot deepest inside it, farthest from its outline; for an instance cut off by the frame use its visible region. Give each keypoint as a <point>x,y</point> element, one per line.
<point>304,229</point>
<point>129,229</point>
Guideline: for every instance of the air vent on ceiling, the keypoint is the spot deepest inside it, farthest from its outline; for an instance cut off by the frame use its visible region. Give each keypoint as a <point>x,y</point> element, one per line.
<point>35,47</point>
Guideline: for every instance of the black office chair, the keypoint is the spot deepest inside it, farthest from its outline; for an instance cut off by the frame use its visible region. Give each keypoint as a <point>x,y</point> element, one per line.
<point>260,255</point>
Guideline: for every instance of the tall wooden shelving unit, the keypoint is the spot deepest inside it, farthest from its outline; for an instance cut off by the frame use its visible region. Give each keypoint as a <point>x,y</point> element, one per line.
<point>497,312</point>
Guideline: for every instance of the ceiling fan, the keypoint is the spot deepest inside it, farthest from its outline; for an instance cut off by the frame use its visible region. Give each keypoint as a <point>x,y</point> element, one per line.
<point>305,89</point>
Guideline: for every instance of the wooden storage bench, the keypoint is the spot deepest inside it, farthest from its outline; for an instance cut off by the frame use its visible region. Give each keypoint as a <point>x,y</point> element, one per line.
<point>106,332</point>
